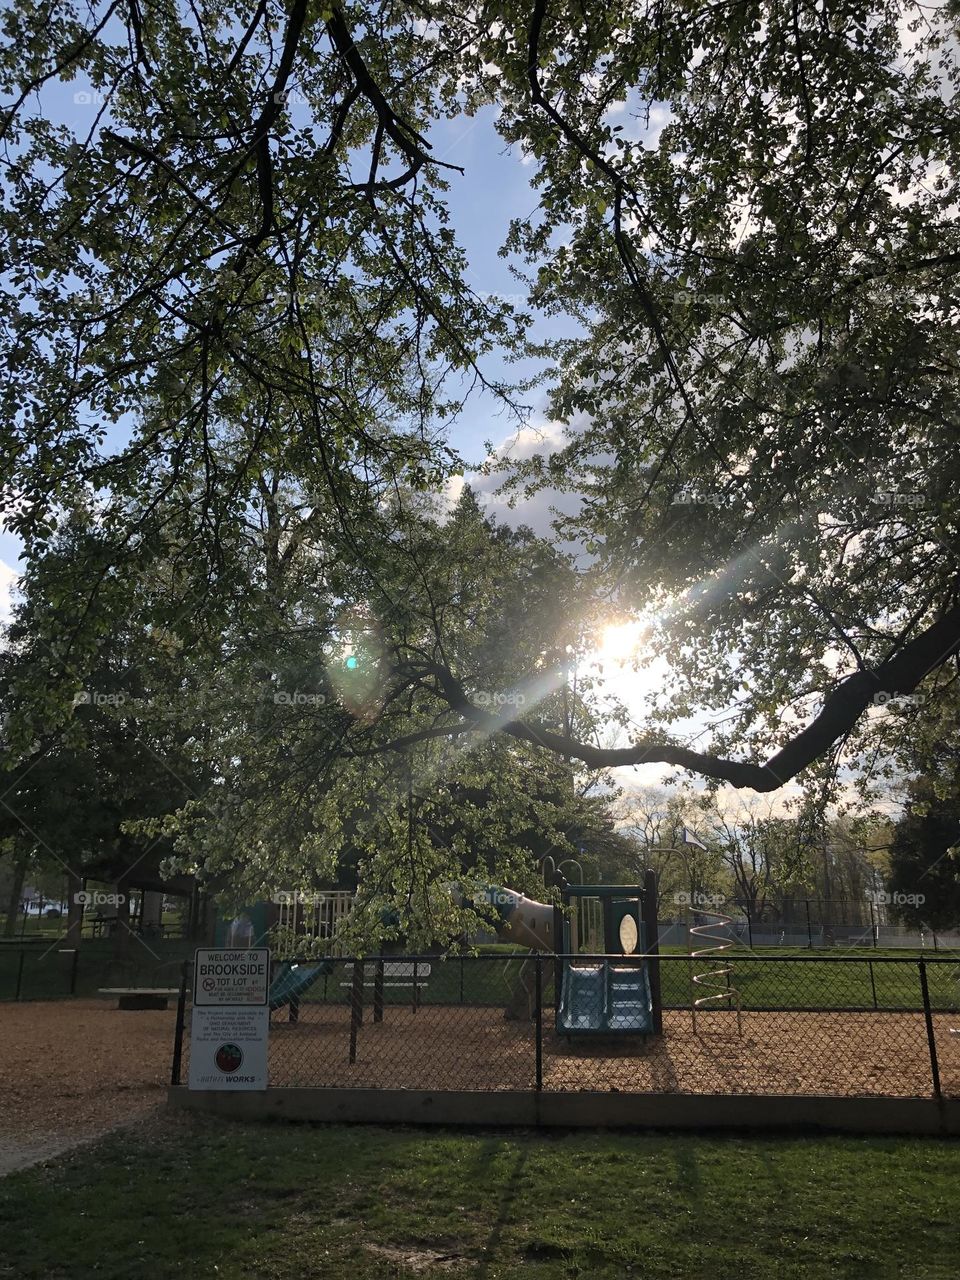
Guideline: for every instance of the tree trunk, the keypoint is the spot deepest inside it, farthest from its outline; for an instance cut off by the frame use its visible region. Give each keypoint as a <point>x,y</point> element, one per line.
<point>16,888</point>
<point>74,910</point>
<point>152,914</point>
<point>121,938</point>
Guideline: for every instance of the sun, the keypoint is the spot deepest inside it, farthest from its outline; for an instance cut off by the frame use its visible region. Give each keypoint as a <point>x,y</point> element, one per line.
<point>622,662</point>
<point>622,641</point>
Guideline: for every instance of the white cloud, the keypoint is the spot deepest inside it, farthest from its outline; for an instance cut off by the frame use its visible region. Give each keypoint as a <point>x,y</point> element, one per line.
<point>537,511</point>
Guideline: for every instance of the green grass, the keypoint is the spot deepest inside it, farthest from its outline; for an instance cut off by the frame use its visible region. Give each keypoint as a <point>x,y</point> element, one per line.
<point>776,983</point>
<point>865,982</point>
<point>279,1202</point>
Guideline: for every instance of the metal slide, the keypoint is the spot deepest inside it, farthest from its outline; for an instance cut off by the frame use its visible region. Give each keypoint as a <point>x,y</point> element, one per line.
<point>631,1005</point>
<point>583,1000</point>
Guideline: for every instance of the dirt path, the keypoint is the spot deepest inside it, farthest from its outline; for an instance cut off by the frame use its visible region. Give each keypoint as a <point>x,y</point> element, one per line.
<point>71,1070</point>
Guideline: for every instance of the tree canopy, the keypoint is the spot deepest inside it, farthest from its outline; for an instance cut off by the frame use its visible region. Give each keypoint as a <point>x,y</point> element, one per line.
<point>233,310</point>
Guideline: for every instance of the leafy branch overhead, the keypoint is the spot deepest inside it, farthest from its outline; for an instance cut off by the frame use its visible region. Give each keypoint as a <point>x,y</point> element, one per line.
<point>238,335</point>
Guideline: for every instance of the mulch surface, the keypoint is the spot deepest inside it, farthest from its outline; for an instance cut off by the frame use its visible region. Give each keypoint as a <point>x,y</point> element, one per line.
<point>72,1069</point>
<point>855,1054</point>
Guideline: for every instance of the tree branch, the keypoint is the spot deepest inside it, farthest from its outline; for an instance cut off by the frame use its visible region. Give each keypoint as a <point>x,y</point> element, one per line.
<point>899,674</point>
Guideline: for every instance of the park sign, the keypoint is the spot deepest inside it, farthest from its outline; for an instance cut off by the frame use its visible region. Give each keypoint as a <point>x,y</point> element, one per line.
<point>230,1023</point>
<point>231,977</point>
<point>229,1047</point>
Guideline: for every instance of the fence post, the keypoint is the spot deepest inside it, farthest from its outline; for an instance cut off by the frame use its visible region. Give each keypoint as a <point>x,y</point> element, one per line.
<point>74,964</point>
<point>416,988</point>
<point>178,1034</point>
<point>19,975</point>
<point>806,903</point>
<point>873,984</point>
<point>931,1038</point>
<point>538,989</point>
<point>356,1006</point>
<point>652,947</point>
<point>461,977</point>
<point>378,991</point>
<point>749,927</point>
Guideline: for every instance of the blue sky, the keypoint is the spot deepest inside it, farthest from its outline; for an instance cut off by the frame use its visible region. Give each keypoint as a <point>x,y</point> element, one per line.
<point>494,189</point>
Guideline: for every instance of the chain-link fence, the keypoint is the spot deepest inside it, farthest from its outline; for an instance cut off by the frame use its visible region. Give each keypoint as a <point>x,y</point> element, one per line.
<point>49,970</point>
<point>765,1025</point>
<point>805,931</point>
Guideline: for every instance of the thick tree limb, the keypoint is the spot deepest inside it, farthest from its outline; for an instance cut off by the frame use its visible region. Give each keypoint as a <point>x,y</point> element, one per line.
<point>408,141</point>
<point>900,674</point>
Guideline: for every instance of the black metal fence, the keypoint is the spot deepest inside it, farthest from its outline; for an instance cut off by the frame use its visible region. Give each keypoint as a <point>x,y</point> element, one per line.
<point>880,1026</point>
<point>49,970</point>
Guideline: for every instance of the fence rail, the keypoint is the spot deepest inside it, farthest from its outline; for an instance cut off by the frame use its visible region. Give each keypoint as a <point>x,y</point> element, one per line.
<point>854,1026</point>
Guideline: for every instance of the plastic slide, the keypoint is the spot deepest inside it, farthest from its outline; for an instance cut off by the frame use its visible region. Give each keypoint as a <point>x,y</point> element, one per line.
<point>292,982</point>
<point>605,997</point>
<point>523,920</point>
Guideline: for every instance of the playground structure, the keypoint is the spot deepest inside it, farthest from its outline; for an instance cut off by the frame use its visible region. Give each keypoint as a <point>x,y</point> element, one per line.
<point>718,991</point>
<point>605,940</point>
<point>604,937</point>
<point>316,916</point>
<point>605,1012</point>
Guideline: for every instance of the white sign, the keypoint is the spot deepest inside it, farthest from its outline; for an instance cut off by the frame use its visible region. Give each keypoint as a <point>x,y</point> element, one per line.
<point>228,1047</point>
<point>231,977</point>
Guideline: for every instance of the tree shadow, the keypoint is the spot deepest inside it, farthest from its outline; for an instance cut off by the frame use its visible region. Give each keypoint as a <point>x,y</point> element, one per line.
<point>507,1196</point>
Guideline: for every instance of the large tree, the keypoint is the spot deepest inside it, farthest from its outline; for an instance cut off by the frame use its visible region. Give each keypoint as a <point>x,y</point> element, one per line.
<point>125,753</point>
<point>249,228</point>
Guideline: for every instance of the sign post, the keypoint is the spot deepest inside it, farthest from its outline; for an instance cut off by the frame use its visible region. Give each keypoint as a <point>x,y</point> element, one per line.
<point>230,1023</point>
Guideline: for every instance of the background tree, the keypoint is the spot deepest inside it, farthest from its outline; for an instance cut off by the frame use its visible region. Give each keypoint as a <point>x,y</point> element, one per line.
<point>924,874</point>
<point>124,755</point>
<point>655,819</point>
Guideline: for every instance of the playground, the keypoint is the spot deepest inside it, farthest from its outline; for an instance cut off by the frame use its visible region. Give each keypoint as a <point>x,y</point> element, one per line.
<point>606,1012</point>
<point>86,1078</point>
<point>880,1054</point>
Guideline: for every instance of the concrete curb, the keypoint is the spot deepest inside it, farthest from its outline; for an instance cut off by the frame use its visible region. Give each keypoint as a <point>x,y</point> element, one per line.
<point>583,1110</point>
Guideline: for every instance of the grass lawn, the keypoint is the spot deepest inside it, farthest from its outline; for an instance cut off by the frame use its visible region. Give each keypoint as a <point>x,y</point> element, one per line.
<point>865,982</point>
<point>197,1197</point>
<point>777,983</point>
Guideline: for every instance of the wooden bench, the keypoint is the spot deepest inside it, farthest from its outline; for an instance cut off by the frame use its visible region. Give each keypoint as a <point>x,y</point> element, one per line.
<point>141,997</point>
